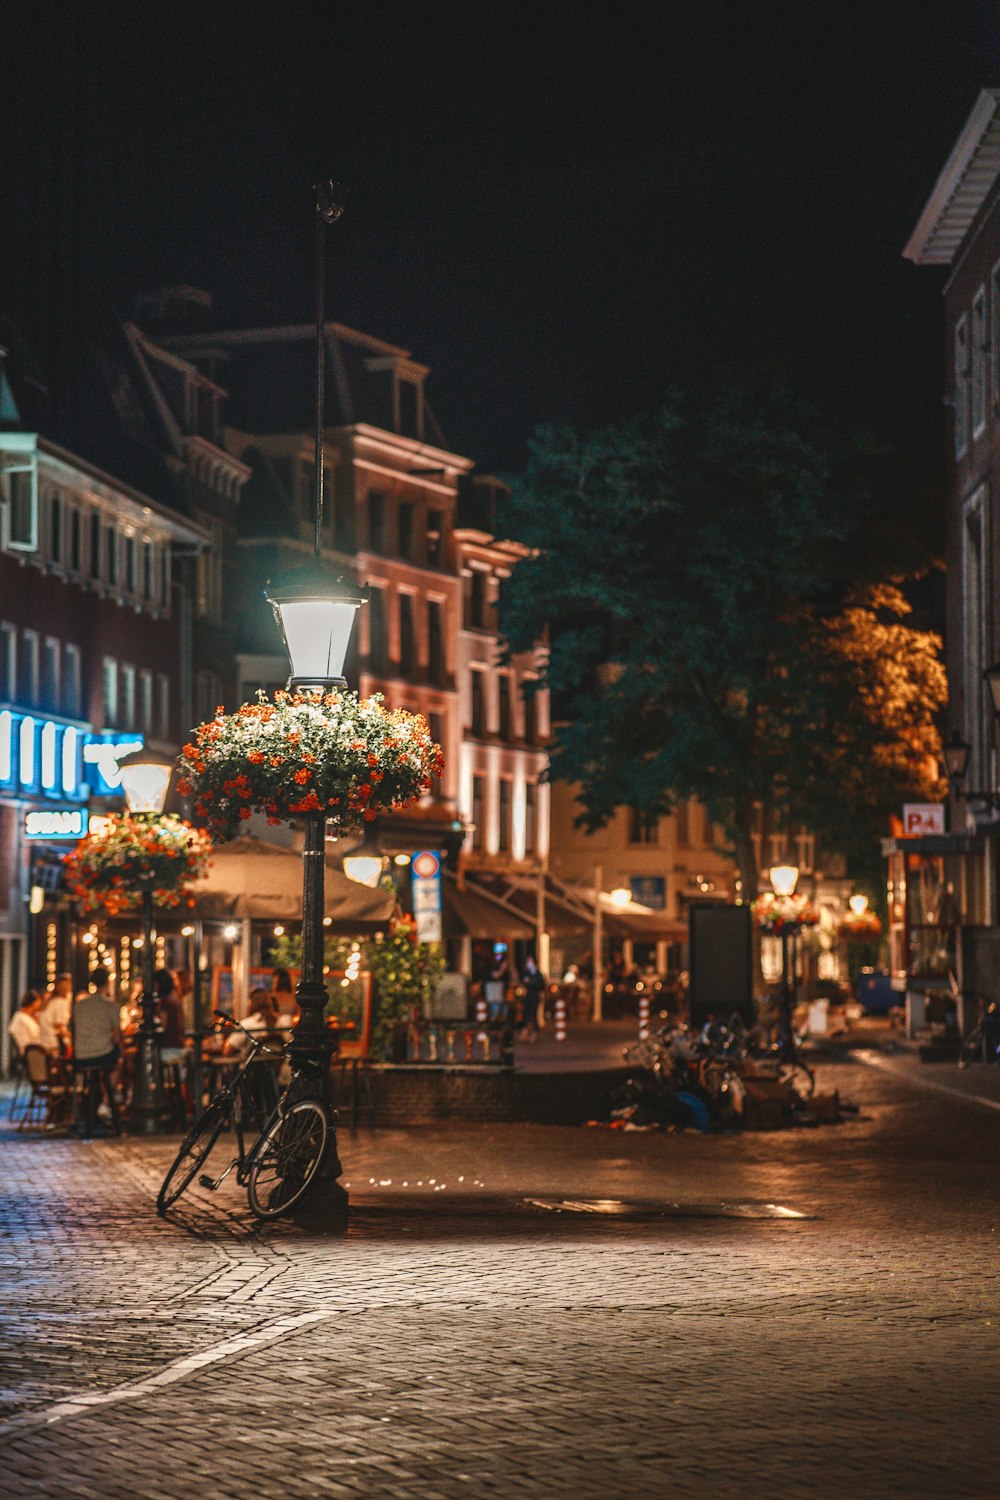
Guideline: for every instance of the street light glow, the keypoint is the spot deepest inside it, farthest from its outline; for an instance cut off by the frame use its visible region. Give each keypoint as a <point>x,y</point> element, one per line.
<point>784,879</point>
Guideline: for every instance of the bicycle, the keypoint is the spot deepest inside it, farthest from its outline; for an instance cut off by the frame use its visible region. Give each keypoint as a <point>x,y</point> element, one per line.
<point>983,1041</point>
<point>279,1166</point>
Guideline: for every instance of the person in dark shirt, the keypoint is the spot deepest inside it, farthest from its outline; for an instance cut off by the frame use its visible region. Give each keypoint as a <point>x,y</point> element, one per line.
<point>171,1014</point>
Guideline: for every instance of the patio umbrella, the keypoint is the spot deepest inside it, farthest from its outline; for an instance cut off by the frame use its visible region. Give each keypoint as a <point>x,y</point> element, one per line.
<point>250,879</point>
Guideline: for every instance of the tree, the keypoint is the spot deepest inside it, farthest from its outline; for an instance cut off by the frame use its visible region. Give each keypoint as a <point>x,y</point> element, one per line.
<point>707,579</point>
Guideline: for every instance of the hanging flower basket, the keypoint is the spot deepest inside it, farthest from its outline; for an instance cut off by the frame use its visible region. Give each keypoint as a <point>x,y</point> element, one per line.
<point>866,927</point>
<point>775,914</point>
<point>331,753</point>
<point>130,855</point>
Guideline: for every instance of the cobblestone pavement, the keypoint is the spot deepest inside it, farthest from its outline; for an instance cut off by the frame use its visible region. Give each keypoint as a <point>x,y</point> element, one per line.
<point>461,1340</point>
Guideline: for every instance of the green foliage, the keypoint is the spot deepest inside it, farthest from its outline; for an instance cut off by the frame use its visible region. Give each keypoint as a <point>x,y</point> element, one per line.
<point>403,971</point>
<point>692,571</point>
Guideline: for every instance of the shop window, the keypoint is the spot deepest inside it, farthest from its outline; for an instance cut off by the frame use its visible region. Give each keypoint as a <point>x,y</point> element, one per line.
<point>72,683</point>
<point>109,688</point>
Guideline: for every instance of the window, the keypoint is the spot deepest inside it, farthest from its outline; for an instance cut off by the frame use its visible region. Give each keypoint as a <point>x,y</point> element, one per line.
<point>979,362</point>
<point>961,396</point>
<point>478,702</point>
<point>994,339</point>
<point>407,640</point>
<point>644,827</point>
<point>55,528</point>
<point>435,642</point>
<point>436,724</point>
<point>18,495</point>
<point>29,667</point>
<point>378,654</point>
<point>109,686</point>
<point>147,570</point>
<point>111,555</point>
<point>976,594</point>
<point>530,818</point>
<point>683,821</point>
<point>72,684</point>
<point>207,695</point>
<point>342,505</point>
<point>75,538</point>
<point>503,689</point>
<point>477,601</point>
<point>95,544</point>
<point>146,701</point>
<point>165,577</point>
<point>376,522</point>
<point>505,816</point>
<point>530,713</point>
<point>162,706</point>
<point>435,535</point>
<point>51,674</point>
<point>130,574</point>
<point>405,529</point>
<point>8,662</point>
<point>127,697</point>
<point>478,811</point>
<point>409,408</point>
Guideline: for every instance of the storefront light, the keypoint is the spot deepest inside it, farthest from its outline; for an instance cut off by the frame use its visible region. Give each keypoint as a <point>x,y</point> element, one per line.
<point>70,756</point>
<point>6,745</point>
<point>26,748</point>
<point>48,738</point>
<point>621,896</point>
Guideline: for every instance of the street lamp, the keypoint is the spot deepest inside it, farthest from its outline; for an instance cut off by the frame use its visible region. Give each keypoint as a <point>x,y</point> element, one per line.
<point>858,905</point>
<point>315,613</point>
<point>144,779</point>
<point>364,864</point>
<point>784,879</point>
<point>621,896</point>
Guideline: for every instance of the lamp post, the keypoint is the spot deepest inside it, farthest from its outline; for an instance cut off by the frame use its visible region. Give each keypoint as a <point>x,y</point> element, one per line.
<point>784,879</point>
<point>145,779</point>
<point>315,612</point>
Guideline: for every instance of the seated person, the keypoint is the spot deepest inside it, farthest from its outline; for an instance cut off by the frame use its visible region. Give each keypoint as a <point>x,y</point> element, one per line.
<point>261,1016</point>
<point>54,1015</point>
<point>171,1016</point>
<point>24,1029</point>
<point>96,1034</point>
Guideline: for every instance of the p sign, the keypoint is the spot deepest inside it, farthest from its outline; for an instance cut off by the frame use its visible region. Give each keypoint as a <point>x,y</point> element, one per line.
<point>921,818</point>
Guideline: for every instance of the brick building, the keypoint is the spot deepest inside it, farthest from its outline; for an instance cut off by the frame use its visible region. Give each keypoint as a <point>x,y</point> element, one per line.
<point>946,903</point>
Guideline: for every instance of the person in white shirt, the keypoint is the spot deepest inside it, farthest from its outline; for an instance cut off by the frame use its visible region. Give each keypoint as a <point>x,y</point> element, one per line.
<point>24,1029</point>
<point>54,1016</point>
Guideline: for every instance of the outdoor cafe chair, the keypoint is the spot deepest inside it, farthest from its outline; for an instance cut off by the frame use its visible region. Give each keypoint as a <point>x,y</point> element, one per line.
<point>49,1098</point>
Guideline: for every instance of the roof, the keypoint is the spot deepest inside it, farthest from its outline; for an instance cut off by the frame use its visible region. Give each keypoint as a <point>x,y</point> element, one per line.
<point>270,376</point>
<point>966,181</point>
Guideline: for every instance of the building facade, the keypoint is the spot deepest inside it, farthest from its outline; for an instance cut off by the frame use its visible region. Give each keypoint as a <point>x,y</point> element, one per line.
<point>944,888</point>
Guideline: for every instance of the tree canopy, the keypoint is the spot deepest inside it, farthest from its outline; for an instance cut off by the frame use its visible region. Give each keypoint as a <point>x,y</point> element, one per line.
<point>714,584</point>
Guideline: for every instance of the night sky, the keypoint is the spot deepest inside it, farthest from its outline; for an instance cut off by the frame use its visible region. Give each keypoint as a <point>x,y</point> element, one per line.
<point>561,208</point>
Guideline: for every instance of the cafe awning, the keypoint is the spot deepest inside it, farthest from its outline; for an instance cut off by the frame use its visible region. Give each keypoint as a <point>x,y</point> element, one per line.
<point>474,914</point>
<point>252,880</point>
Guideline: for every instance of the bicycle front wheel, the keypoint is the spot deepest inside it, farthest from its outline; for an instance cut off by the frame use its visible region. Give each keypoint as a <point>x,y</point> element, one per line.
<point>287,1158</point>
<point>192,1156</point>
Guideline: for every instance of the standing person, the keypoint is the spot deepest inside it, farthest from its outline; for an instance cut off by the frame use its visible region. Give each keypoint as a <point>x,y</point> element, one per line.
<point>96,1034</point>
<point>171,1014</point>
<point>533,982</point>
<point>55,1013</point>
<point>24,1029</point>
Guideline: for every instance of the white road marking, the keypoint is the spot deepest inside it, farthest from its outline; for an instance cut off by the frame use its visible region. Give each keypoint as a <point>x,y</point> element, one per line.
<point>873,1060</point>
<point>179,1369</point>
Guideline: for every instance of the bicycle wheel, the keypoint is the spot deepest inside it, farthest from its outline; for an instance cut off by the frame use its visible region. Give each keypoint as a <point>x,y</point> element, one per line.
<point>974,1047</point>
<point>192,1156</point>
<point>287,1158</point>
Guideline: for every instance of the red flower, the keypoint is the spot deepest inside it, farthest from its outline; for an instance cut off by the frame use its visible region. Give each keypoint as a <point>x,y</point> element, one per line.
<point>302,776</point>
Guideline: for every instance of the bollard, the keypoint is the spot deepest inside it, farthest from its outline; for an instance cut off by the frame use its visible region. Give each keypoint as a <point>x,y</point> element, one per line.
<point>449,1039</point>
<point>484,1041</point>
<point>560,1009</point>
<point>432,1045</point>
<point>468,1046</point>
<point>643,1017</point>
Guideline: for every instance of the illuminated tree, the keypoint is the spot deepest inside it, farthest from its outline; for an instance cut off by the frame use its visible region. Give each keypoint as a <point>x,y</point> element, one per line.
<point>707,581</point>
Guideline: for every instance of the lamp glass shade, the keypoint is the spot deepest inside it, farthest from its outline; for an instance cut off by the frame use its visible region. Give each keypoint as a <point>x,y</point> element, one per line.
<point>858,905</point>
<point>621,896</point>
<point>992,675</point>
<point>364,869</point>
<point>317,633</point>
<point>145,785</point>
<point>784,879</point>
<point>956,757</point>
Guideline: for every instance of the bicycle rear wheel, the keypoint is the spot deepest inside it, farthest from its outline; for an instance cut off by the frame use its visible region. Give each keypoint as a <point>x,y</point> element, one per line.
<point>192,1156</point>
<point>287,1158</point>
